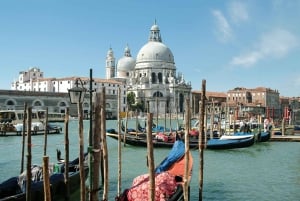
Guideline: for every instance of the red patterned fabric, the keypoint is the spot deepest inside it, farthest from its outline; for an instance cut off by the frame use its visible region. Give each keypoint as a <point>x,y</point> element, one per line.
<point>165,186</point>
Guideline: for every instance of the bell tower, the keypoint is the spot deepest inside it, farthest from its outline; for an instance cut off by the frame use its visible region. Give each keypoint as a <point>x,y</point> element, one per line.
<point>110,64</point>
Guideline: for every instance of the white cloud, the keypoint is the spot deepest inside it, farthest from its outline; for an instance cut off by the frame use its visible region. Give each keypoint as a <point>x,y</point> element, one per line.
<point>224,31</point>
<point>238,12</point>
<point>277,44</point>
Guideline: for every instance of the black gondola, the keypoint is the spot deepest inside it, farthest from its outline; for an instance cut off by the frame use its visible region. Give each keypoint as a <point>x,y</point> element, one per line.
<point>13,189</point>
<point>141,141</point>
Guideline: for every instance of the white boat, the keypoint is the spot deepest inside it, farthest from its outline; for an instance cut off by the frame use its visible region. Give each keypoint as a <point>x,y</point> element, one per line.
<point>12,121</point>
<point>52,116</point>
<point>15,118</point>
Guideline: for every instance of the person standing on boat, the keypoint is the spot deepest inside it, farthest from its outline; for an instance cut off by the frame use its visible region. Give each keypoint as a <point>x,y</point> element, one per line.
<point>242,126</point>
<point>266,124</point>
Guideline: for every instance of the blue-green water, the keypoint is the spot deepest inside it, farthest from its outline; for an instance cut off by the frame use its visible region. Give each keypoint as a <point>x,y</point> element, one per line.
<point>265,171</point>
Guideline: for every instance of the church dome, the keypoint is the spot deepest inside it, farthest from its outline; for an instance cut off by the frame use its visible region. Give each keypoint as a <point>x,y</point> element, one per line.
<point>155,51</point>
<point>126,63</point>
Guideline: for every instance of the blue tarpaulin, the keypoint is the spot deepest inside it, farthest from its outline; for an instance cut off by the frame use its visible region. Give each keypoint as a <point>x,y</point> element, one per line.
<point>175,154</point>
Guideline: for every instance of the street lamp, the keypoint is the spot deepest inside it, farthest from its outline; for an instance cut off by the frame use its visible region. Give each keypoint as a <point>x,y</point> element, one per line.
<point>77,93</point>
<point>76,97</point>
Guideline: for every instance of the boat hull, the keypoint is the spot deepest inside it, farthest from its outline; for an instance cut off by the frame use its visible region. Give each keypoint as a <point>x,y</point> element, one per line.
<point>230,144</point>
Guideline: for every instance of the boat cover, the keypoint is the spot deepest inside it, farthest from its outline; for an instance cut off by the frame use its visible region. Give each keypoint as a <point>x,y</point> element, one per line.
<point>175,154</point>
<point>165,186</point>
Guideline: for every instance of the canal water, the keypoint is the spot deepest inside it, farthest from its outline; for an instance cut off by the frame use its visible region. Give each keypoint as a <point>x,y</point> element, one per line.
<point>264,171</point>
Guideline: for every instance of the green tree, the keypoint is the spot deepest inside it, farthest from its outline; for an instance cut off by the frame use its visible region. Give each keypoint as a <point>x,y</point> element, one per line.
<point>131,100</point>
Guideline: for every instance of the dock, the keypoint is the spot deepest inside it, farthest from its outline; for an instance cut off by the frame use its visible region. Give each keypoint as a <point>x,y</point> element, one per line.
<point>15,133</point>
<point>285,138</point>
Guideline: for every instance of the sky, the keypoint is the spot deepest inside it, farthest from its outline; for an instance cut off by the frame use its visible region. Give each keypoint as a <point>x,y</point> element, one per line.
<point>228,43</point>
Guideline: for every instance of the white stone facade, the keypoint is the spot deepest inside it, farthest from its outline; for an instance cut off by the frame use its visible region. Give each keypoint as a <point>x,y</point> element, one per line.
<point>152,76</point>
<point>33,80</point>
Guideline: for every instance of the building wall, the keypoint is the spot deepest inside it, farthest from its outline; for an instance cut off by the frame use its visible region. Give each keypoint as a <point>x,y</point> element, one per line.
<point>56,102</point>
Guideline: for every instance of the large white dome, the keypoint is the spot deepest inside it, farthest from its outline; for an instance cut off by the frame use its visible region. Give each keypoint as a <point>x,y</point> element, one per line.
<point>155,51</point>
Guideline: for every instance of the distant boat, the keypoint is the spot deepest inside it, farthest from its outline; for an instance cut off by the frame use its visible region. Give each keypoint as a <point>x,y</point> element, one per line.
<point>13,189</point>
<point>11,123</point>
<point>259,137</point>
<point>52,116</point>
<point>15,117</point>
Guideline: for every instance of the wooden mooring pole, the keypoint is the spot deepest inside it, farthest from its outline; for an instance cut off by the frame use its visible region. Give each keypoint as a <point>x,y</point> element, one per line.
<point>150,156</point>
<point>119,146</point>
<point>46,181</point>
<point>201,138</point>
<point>104,145</point>
<point>96,148</point>
<point>45,132</point>
<point>29,156</point>
<point>187,150</point>
<point>81,153</point>
<point>23,137</point>
<point>67,185</point>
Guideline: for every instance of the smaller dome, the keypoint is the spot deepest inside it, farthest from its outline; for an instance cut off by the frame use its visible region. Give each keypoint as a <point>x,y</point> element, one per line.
<point>126,64</point>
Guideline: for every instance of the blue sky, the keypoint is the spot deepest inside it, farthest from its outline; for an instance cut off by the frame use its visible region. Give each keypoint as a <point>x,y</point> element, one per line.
<point>228,43</point>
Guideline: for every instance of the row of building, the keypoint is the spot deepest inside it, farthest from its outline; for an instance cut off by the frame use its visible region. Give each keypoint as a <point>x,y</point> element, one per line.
<point>153,80</point>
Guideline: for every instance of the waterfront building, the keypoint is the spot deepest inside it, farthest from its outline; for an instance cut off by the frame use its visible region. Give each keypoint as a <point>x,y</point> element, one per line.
<point>243,103</point>
<point>33,80</point>
<point>252,102</point>
<point>152,77</point>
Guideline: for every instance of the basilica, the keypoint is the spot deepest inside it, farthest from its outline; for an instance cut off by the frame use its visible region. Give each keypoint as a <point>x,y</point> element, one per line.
<point>152,76</point>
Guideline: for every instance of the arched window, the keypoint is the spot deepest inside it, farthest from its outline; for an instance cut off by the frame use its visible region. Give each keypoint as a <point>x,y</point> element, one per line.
<point>10,102</point>
<point>157,94</point>
<point>181,102</point>
<point>159,78</point>
<point>153,78</point>
<point>62,104</point>
<point>37,103</point>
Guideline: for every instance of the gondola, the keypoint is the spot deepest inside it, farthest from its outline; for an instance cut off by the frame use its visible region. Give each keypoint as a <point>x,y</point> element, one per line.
<point>193,144</point>
<point>264,136</point>
<point>141,140</point>
<point>230,143</point>
<point>169,175</point>
<point>14,189</point>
